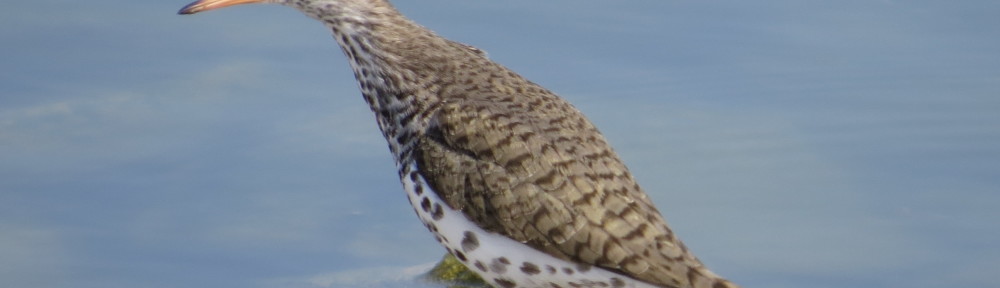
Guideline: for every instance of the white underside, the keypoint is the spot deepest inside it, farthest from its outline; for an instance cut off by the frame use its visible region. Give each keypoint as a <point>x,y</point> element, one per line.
<point>453,225</point>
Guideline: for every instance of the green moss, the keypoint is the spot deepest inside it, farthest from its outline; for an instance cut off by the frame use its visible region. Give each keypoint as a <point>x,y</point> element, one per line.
<point>451,272</point>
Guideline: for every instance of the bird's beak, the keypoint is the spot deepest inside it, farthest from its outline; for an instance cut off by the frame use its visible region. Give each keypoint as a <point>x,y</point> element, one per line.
<point>205,5</point>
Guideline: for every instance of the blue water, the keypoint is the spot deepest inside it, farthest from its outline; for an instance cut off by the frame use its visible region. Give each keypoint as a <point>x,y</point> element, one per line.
<point>790,144</point>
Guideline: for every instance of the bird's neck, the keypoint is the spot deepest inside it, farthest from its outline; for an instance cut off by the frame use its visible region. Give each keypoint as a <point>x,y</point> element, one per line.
<point>400,66</point>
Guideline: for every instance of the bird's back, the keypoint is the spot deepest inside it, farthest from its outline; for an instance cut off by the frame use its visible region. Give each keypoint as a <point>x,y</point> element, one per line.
<point>520,161</point>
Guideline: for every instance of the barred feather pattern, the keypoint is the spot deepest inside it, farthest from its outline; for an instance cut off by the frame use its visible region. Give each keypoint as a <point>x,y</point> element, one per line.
<point>506,156</point>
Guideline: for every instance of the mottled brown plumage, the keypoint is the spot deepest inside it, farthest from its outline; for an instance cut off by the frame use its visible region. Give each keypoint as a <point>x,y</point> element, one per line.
<point>514,158</point>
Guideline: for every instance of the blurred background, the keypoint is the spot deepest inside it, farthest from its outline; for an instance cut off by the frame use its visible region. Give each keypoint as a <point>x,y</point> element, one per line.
<point>789,143</point>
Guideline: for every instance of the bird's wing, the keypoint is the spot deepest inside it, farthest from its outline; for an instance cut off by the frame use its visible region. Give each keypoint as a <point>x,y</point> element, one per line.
<point>537,171</point>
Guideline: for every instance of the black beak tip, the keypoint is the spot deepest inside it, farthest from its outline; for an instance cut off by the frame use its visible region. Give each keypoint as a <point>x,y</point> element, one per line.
<point>187,10</point>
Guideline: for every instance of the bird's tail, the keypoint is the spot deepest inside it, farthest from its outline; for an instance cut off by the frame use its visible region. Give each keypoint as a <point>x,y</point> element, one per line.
<point>723,283</point>
<point>709,279</point>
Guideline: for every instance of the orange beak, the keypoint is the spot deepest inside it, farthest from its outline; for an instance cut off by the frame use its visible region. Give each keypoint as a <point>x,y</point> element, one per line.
<point>205,5</point>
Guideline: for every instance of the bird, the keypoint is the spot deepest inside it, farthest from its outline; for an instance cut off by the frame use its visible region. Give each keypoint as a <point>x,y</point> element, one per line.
<point>511,179</point>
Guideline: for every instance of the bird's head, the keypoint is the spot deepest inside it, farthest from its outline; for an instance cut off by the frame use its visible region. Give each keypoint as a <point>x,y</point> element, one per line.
<point>357,10</point>
<point>309,6</point>
<point>205,5</point>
